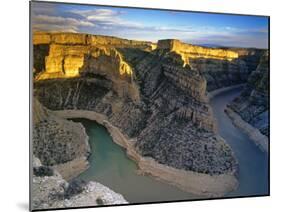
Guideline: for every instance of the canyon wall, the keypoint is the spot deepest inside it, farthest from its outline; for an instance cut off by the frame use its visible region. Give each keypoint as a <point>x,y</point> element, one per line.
<point>60,151</point>
<point>88,39</point>
<point>70,55</point>
<point>59,143</point>
<point>65,55</point>
<point>222,67</point>
<point>188,51</point>
<point>253,103</point>
<point>164,108</point>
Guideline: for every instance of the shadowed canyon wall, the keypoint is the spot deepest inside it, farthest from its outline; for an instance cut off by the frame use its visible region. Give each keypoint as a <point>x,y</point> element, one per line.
<point>59,143</point>
<point>221,67</point>
<point>253,104</point>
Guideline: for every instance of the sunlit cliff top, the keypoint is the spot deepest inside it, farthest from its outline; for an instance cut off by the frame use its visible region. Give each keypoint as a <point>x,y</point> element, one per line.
<point>193,51</point>
<point>82,39</point>
<point>171,44</point>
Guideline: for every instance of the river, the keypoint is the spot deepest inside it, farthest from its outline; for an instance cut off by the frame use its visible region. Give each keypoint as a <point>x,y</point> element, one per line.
<point>110,166</point>
<point>253,163</point>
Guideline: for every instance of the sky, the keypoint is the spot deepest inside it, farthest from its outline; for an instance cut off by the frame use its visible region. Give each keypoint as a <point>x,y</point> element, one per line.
<point>152,25</point>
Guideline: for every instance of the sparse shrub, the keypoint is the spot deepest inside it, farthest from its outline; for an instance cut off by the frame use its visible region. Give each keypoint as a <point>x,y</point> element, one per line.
<point>42,171</point>
<point>99,201</point>
<point>75,187</point>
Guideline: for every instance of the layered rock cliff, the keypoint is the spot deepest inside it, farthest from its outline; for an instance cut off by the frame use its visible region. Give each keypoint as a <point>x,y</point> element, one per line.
<point>88,39</point>
<point>59,143</point>
<point>153,96</point>
<point>221,67</point>
<point>61,55</point>
<point>253,104</point>
<point>251,56</point>
<point>75,55</point>
<point>188,51</point>
<point>60,151</point>
<point>65,55</point>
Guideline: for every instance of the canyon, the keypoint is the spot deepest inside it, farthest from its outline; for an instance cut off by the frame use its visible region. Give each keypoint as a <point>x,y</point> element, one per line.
<point>250,111</point>
<point>154,95</point>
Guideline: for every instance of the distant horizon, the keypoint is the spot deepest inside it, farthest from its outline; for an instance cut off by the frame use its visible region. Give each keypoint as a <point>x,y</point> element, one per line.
<point>221,30</point>
<point>206,45</point>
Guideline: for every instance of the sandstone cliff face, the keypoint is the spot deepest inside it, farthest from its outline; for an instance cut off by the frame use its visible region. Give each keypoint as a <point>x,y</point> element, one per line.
<point>221,67</point>
<point>221,73</point>
<point>187,80</point>
<point>58,142</point>
<point>69,55</point>
<point>152,96</point>
<point>66,61</point>
<point>60,151</point>
<point>40,38</point>
<point>66,55</point>
<point>253,104</point>
<point>188,51</point>
<point>251,57</point>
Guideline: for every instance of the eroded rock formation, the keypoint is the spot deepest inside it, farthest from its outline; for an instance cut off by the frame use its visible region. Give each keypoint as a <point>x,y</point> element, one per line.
<point>221,67</point>
<point>60,151</point>
<point>253,104</point>
<point>73,55</point>
<point>59,143</point>
<point>162,101</point>
<point>188,51</point>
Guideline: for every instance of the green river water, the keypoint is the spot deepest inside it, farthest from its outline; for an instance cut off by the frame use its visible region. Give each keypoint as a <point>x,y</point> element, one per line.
<point>110,166</point>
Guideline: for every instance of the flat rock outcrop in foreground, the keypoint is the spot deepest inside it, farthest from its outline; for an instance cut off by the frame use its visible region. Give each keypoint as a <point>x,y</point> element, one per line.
<point>152,95</point>
<point>51,191</point>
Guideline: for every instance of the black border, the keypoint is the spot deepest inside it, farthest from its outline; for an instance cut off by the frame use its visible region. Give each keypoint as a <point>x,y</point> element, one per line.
<point>144,203</point>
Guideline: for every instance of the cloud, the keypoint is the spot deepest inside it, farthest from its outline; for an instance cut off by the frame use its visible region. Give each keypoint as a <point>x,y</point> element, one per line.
<point>174,29</point>
<point>231,28</point>
<point>57,20</point>
<point>107,17</point>
<point>54,28</point>
<point>97,14</point>
<point>90,20</point>
<point>116,22</point>
<point>49,18</point>
<point>231,40</point>
<point>243,30</point>
<point>58,24</point>
<point>261,30</point>
<point>43,9</point>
